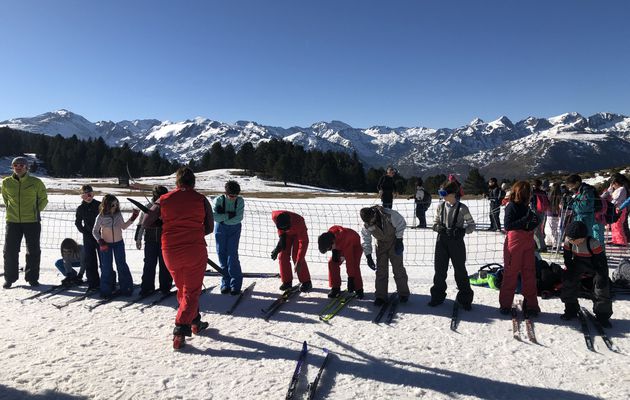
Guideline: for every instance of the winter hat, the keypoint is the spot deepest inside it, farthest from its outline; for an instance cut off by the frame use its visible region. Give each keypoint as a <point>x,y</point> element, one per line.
<point>451,187</point>
<point>577,230</point>
<point>20,160</point>
<point>325,241</point>
<point>283,221</point>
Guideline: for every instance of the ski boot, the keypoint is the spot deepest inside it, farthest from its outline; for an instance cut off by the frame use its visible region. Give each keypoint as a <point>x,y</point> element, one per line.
<point>179,335</point>
<point>198,325</point>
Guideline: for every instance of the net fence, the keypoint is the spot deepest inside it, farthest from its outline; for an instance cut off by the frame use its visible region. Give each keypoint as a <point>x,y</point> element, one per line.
<point>259,235</point>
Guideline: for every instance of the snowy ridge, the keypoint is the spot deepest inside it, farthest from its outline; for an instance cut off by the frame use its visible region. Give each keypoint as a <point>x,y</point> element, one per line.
<point>568,142</point>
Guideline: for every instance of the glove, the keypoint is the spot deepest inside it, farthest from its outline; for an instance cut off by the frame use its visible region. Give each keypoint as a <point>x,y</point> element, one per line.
<point>102,245</point>
<point>399,247</point>
<point>370,262</point>
<point>274,253</point>
<point>439,228</point>
<point>336,257</point>
<point>219,210</point>
<point>231,214</point>
<point>134,214</point>
<point>139,244</point>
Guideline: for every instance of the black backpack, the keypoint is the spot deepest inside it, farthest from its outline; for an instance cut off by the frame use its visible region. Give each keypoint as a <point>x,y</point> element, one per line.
<point>425,202</point>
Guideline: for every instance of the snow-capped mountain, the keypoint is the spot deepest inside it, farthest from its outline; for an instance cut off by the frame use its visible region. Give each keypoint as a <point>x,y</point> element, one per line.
<point>567,142</point>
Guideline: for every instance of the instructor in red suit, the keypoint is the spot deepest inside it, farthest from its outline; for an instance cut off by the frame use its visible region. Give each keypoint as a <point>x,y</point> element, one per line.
<point>187,218</point>
<point>293,243</point>
<point>345,245</point>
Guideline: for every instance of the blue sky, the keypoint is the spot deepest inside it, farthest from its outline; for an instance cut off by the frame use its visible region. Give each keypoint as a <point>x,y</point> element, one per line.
<point>290,62</point>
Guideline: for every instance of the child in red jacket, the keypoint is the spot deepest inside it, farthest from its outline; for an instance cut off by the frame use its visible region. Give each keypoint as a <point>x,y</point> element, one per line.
<point>293,243</point>
<point>345,245</point>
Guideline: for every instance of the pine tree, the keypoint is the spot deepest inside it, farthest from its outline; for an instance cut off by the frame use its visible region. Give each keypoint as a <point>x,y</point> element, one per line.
<point>475,183</point>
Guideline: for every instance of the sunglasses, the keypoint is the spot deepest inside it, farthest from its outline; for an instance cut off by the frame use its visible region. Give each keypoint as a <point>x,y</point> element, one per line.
<point>231,196</point>
<point>88,194</point>
<point>19,165</point>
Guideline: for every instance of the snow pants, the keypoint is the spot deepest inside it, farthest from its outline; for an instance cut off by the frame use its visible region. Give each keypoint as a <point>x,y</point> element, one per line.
<point>187,265</point>
<point>539,232</point>
<point>618,231</point>
<point>519,259</point>
<point>571,277</point>
<point>92,257</point>
<point>454,250</point>
<point>551,231</point>
<point>13,240</point>
<point>495,219</point>
<point>353,269</point>
<point>153,257</point>
<point>421,215</point>
<point>227,238</point>
<point>386,253</point>
<point>295,248</point>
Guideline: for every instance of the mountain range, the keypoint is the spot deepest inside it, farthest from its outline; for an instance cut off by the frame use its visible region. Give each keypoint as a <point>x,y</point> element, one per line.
<point>501,148</point>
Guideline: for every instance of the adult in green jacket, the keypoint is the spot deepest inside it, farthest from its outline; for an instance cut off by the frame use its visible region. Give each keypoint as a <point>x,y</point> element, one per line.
<point>25,198</point>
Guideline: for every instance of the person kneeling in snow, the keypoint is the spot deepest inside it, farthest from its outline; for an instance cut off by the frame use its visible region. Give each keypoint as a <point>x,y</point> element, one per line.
<point>345,245</point>
<point>388,227</point>
<point>292,243</point>
<point>72,256</point>
<point>583,254</point>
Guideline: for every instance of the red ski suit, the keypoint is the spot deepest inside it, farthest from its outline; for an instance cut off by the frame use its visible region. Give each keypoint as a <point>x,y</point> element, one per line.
<point>187,218</point>
<point>348,244</point>
<point>518,258</point>
<point>295,247</point>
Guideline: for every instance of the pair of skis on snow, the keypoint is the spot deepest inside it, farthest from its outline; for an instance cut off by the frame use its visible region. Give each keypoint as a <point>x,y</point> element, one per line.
<point>516,322</point>
<point>392,305</point>
<point>312,386</point>
<point>584,315</point>
<point>334,306</point>
<point>286,296</point>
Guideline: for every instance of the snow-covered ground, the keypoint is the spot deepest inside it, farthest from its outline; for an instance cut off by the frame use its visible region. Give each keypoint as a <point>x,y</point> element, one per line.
<point>107,353</point>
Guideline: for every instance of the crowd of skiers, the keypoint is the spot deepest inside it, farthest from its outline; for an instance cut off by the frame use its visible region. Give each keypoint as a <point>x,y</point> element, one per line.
<point>174,224</point>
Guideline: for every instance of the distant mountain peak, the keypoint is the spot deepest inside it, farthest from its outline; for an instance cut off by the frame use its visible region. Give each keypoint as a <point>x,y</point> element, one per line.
<point>476,121</point>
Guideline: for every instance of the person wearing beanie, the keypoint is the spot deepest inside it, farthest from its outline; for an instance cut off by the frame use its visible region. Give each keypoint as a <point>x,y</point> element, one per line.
<point>292,243</point>
<point>584,254</point>
<point>152,236</point>
<point>519,250</point>
<point>85,217</point>
<point>228,210</point>
<point>25,198</point>
<point>345,244</point>
<point>452,221</point>
<point>387,227</point>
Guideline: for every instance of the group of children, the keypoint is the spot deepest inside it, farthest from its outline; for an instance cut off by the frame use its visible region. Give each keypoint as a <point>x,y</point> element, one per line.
<point>102,223</point>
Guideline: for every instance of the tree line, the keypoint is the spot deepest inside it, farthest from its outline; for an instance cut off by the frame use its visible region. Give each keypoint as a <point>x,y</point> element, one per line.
<point>71,157</point>
<point>275,160</point>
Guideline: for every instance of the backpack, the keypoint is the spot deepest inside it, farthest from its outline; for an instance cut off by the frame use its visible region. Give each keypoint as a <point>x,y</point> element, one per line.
<point>620,277</point>
<point>607,211</point>
<point>548,278</point>
<point>542,202</point>
<point>425,202</point>
<point>490,275</point>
